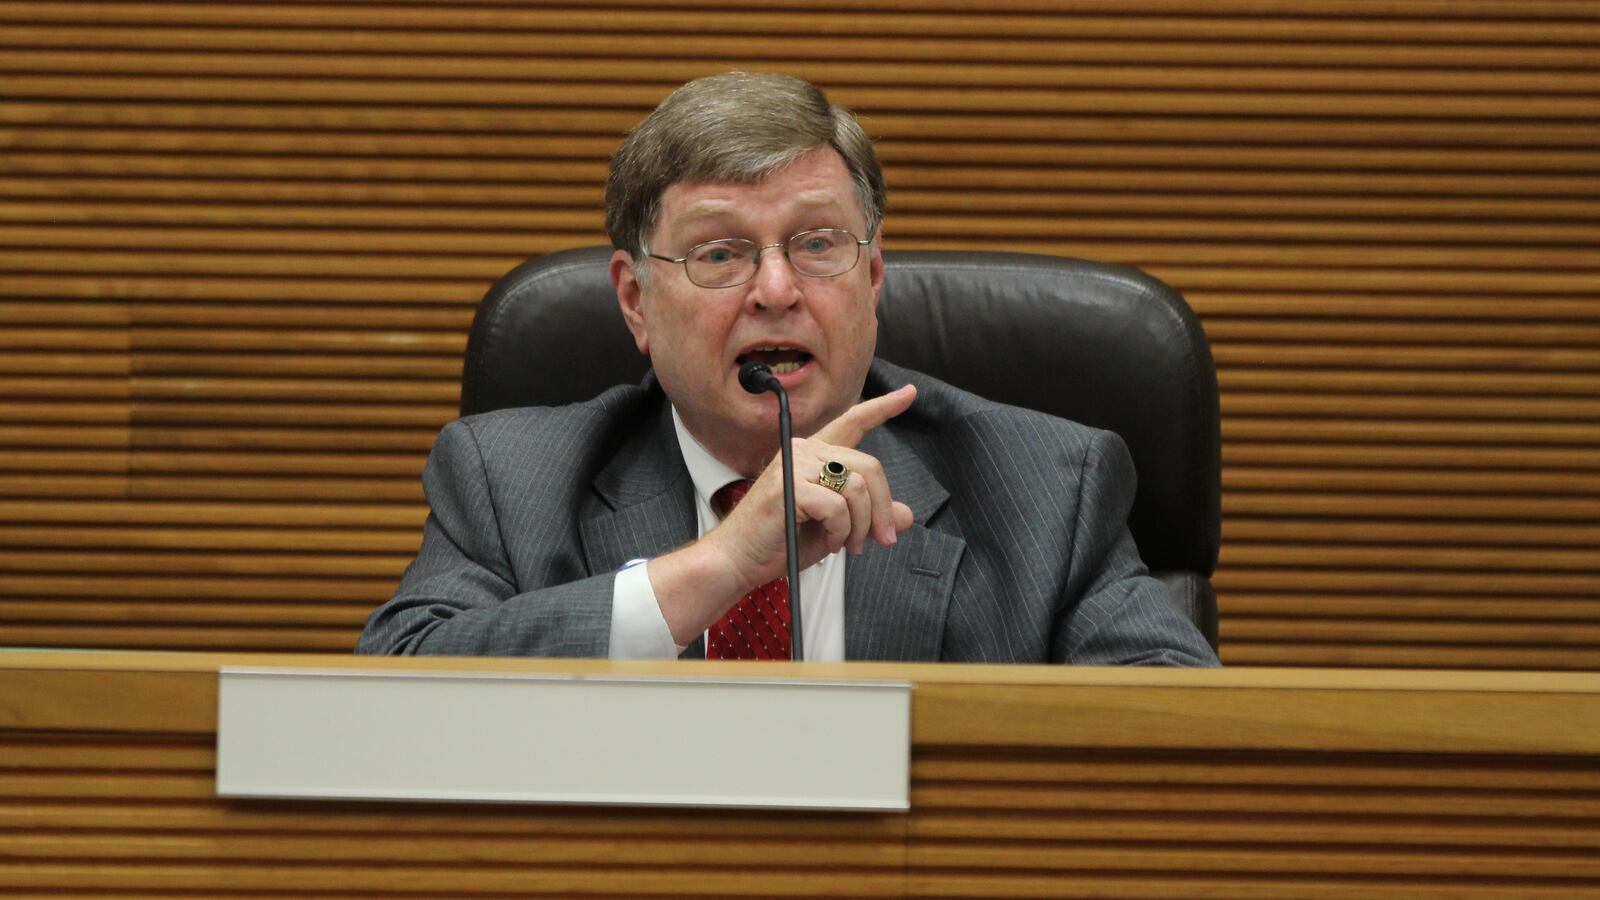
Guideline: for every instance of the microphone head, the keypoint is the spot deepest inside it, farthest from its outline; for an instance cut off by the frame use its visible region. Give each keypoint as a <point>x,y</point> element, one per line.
<point>757,377</point>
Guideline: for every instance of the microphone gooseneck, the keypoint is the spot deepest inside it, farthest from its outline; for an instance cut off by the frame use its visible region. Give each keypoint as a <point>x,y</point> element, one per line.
<point>757,378</point>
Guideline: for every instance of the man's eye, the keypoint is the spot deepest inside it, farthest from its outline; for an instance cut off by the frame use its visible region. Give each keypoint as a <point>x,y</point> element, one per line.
<point>717,255</point>
<point>818,244</point>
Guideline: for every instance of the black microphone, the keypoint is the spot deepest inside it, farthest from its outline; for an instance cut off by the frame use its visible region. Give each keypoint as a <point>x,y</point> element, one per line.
<point>757,378</point>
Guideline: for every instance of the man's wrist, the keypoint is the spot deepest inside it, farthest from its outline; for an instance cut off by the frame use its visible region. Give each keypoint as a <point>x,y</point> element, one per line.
<point>694,586</point>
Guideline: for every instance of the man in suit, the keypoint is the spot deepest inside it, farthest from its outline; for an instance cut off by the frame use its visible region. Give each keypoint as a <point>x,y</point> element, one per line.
<point>745,213</point>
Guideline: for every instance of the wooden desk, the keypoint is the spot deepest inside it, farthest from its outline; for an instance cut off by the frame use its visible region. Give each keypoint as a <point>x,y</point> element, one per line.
<point>1027,782</point>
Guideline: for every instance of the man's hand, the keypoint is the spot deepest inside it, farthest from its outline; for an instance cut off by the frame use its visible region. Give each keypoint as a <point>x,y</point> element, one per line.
<point>698,583</point>
<point>752,536</point>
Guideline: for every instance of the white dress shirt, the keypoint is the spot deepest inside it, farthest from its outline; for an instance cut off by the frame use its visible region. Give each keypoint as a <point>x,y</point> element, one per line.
<point>639,631</point>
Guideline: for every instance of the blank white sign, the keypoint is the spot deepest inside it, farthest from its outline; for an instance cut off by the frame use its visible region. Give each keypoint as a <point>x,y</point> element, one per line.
<point>564,739</point>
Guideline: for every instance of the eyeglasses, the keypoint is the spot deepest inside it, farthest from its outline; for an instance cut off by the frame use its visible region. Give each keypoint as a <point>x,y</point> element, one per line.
<point>730,262</point>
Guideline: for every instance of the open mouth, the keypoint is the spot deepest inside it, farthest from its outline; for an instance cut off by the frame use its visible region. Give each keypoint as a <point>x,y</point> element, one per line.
<point>782,360</point>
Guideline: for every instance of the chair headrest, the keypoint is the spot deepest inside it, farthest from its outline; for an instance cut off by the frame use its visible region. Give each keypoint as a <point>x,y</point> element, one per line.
<point>1108,346</point>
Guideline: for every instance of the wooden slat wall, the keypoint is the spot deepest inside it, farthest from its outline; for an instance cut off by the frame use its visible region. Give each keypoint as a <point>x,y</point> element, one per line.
<point>240,244</point>
<point>124,815</point>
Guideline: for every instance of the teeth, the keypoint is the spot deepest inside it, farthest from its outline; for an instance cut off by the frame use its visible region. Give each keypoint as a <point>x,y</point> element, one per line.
<point>780,368</point>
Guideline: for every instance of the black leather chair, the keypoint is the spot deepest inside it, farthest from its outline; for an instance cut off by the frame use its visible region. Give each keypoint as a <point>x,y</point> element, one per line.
<point>1104,345</point>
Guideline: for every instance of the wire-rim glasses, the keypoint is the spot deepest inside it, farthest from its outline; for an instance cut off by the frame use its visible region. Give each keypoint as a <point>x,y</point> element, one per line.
<point>730,262</point>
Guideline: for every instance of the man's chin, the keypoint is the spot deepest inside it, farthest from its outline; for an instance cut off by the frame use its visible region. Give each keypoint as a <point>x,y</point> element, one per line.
<point>807,420</point>
<point>807,413</point>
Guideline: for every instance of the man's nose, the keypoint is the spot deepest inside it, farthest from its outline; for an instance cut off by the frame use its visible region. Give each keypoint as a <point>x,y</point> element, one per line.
<point>776,284</point>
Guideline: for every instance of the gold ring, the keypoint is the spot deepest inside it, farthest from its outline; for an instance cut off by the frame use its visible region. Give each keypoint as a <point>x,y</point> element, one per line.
<point>834,475</point>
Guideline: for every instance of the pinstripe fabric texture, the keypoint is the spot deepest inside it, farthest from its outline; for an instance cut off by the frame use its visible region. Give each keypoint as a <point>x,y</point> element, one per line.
<point>1018,553</point>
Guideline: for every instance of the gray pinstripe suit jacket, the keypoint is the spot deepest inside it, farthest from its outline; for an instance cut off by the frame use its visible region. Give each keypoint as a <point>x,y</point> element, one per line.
<point>1019,552</point>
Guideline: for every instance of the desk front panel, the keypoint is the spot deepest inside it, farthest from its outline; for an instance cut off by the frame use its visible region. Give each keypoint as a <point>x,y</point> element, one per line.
<point>1262,784</point>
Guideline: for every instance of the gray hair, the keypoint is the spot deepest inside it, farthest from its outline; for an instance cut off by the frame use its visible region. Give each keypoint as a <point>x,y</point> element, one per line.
<point>739,128</point>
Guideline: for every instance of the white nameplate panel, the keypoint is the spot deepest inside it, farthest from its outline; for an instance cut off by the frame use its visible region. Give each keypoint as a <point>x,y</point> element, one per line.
<point>564,739</point>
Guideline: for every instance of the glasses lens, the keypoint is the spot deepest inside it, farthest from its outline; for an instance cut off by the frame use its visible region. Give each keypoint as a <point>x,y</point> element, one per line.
<point>721,263</point>
<point>823,253</point>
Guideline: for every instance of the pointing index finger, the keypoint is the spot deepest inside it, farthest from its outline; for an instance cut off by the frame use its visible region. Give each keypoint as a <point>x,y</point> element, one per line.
<point>854,423</point>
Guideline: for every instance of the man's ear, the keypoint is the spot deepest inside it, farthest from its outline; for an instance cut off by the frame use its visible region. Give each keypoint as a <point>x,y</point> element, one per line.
<point>875,265</point>
<point>630,296</point>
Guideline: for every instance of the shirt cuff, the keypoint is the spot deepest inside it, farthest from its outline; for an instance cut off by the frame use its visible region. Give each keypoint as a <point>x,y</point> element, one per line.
<point>638,630</point>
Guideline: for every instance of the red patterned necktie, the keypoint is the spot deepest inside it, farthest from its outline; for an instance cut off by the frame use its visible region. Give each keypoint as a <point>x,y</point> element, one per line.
<point>757,627</point>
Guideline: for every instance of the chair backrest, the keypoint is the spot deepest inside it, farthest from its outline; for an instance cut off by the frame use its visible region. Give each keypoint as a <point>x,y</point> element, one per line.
<point>1104,345</point>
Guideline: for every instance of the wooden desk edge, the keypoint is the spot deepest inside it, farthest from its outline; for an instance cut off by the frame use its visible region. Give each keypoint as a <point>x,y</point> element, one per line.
<point>977,706</point>
<point>920,673</point>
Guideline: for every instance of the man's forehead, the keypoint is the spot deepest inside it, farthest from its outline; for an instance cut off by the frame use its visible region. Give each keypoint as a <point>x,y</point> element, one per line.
<point>725,203</point>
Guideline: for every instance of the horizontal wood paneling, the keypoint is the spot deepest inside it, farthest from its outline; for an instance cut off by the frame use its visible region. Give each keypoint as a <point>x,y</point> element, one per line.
<point>240,244</point>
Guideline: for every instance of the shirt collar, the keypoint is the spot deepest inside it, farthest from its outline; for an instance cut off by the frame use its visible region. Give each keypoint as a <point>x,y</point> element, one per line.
<point>707,472</point>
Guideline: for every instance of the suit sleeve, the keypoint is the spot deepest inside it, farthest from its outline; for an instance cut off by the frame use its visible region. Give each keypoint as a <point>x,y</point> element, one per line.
<point>460,596</point>
<point>1122,615</point>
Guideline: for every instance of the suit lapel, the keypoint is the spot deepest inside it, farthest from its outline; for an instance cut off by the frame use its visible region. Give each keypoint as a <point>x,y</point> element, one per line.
<point>648,499</point>
<point>648,503</point>
<point>896,598</point>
